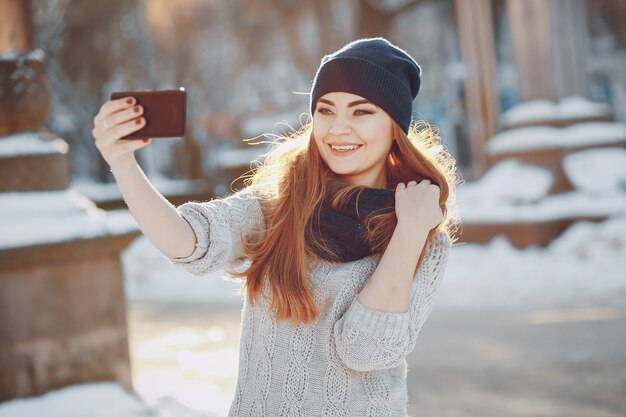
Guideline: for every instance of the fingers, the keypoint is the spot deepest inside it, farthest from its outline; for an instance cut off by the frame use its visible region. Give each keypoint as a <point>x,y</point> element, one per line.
<point>111,107</point>
<point>135,144</point>
<point>113,134</point>
<point>126,146</point>
<point>411,183</point>
<point>116,112</point>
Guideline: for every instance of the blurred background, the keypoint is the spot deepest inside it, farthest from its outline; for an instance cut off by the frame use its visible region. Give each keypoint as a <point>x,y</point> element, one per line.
<point>529,96</point>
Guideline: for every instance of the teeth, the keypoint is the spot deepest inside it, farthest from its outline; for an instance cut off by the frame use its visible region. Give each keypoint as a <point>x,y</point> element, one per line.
<point>344,147</point>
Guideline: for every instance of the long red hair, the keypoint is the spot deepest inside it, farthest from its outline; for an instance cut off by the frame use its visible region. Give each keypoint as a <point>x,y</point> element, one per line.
<point>294,181</point>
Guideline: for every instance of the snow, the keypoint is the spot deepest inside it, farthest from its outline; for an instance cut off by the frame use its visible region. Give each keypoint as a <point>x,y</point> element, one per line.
<point>43,217</point>
<point>102,399</point>
<point>554,207</point>
<point>600,170</point>
<point>582,267</point>
<point>29,143</point>
<point>513,192</point>
<point>574,107</point>
<point>151,277</point>
<point>100,192</point>
<point>524,183</point>
<point>36,54</point>
<point>546,137</point>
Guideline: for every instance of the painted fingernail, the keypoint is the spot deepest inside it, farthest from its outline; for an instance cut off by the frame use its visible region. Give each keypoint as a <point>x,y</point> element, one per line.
<point>139,121</point>
<point>137,109</point>
<point>130,100</point>
<point>145,140</point>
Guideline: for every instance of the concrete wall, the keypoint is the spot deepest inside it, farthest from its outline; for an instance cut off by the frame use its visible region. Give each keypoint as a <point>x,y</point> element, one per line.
<point>62,316</point>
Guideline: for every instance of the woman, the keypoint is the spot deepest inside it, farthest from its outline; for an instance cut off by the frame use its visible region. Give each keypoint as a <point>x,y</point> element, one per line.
<point>346,230</point>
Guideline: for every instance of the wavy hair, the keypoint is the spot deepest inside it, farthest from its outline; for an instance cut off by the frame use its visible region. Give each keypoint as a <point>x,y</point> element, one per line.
<point>294,182</point>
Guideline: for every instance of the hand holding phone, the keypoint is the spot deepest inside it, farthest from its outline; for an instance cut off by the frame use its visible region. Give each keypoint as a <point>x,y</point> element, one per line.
<point>164,112</point>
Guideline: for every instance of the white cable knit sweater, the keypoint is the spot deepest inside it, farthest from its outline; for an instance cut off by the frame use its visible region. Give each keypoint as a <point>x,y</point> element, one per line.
<point>350,361</point>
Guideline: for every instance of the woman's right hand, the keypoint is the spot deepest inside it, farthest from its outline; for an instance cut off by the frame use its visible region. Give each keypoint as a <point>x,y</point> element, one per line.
<point>116,119</point>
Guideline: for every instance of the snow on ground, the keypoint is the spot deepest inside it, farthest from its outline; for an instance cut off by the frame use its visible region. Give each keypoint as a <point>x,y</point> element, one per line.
<point>548,137</point>
<point>151,277</point>
<point>583,267</point>
<point>101,399</point>
<point>574,107</point>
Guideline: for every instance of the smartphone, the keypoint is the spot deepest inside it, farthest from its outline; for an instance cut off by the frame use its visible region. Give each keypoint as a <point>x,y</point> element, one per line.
<point>164,111</point>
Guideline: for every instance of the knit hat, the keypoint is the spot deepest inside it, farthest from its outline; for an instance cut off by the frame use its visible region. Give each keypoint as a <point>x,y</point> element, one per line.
<point>375,69</point>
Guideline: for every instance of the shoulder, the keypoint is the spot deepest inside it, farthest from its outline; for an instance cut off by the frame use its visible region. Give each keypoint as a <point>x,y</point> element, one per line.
<point>246,197</point>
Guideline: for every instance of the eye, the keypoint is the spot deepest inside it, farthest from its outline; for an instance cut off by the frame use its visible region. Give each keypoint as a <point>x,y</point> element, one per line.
<point>324,110</point>
<point>359,112</point>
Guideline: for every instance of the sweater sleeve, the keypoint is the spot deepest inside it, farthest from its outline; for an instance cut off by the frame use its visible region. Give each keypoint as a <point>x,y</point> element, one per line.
<point>368,339</point>
<point>220,226</point>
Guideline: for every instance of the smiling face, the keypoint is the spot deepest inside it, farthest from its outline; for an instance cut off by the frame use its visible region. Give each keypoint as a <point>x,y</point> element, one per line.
<point>354,137</point>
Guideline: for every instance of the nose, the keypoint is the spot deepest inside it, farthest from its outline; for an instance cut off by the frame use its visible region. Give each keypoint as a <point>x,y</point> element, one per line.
<point>339,126</point>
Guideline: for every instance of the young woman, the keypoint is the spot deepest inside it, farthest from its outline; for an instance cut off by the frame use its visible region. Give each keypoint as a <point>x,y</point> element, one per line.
<point>343,236</point>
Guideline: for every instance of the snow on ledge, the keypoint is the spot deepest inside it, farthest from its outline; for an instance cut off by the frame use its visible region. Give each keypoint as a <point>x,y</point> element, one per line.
<point>44,217</point>
<point>561,206</point>
<point>30,143</point>
<point>513,192</point>
<point>601,170</point>
<point>508,181</point>
<point>101,399</point>
<point>546,137</point>
<point>574,107</point>
<point>100,192</point>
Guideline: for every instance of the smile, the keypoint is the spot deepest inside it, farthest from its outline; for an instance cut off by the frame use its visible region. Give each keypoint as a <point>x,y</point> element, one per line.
<point>343,149</point>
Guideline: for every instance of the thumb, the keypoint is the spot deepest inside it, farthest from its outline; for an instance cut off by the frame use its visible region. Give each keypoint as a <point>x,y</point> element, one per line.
<point>142,143</point>
<point>136,144</point>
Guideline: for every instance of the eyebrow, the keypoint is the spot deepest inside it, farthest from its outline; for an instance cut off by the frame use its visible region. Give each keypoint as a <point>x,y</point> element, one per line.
<point>351,104</point>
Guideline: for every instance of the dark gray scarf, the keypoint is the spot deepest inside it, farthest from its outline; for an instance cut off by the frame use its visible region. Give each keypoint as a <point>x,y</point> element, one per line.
<point>342,229</point>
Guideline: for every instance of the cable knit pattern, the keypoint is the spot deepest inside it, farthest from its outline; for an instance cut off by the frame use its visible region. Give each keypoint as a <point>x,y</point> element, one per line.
<point>245,349</point>
<point>297,374</point>
<point>351,361</point>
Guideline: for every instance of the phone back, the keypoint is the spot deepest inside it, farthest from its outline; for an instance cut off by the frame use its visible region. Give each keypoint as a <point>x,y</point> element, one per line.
<point>164,111</point>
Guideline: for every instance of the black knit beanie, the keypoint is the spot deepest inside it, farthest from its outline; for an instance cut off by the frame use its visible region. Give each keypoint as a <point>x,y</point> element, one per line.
<point>375,69</point>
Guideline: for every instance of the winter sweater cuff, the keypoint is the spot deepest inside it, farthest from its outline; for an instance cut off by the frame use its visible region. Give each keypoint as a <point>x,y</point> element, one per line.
<point>198,225</point>
<point>377,324</point>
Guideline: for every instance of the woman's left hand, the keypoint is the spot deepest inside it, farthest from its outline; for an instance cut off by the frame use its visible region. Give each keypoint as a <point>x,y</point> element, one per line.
<point>417,205</point>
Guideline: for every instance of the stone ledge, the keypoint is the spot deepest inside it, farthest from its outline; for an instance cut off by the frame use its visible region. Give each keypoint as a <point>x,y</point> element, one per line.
<point>520,235</point>
<point>64,251</point>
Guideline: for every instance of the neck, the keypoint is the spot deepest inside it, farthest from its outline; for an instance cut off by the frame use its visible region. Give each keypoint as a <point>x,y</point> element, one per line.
<point>378,182</point>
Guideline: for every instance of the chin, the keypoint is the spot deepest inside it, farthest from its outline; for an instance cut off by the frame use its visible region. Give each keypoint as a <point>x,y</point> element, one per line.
<point>342,171</point>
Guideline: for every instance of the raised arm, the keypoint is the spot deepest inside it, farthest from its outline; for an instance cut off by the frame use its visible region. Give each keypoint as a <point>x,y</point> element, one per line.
<point>381,325</point>
<point>158,219</point>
